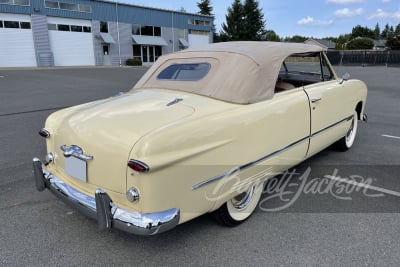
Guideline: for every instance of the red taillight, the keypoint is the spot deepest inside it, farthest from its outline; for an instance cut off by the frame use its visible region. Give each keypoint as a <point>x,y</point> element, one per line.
<point>138,166</point>
<point>44,133</point>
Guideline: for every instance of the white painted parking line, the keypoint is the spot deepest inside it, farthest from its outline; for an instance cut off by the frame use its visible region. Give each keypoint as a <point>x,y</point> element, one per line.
<point>1,77</point>
<point>367,186</point>
<point>391,136</point>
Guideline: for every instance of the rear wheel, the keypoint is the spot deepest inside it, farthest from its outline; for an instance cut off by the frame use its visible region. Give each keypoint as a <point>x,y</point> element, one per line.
<point>238,209</point>
<point>346,142</point>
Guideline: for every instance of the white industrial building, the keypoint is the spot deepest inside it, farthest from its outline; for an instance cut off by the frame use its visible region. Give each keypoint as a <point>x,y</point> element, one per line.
<point>48,33</point>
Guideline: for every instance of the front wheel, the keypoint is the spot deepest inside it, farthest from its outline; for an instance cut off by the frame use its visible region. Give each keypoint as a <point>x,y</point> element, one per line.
<point>238,209</point>
<point>346,142</point>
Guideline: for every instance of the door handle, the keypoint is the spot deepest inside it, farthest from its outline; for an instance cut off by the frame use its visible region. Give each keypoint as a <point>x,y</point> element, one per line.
<point>316,100</point>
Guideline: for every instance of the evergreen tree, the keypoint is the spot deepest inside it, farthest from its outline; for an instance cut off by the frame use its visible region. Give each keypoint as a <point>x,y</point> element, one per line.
<point>271,35</point>
<point>359,31</point>
<point>385,32</point>
<point>233,29</point>
<point>393,42</point>
<point>254,23</point>
<point>296,39</point>
<point>397,31</point>
<point>360,43</point>
<point>244,22</point>
<point>377,32</point>
<point>391,32</point>
<point>205,7</point>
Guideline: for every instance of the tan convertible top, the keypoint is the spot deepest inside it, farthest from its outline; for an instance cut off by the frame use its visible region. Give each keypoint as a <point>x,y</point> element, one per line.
<point>241,72</point>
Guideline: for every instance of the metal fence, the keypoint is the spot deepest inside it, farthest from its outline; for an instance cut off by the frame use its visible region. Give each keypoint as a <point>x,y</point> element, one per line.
<point>365,58</point>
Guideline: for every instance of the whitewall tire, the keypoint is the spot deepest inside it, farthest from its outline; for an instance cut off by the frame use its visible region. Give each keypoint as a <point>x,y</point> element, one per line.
<point>238,209</point>
<point>346,142</point>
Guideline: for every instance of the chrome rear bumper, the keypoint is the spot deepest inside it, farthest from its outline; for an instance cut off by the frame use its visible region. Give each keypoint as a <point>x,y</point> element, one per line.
<point>102,209</point>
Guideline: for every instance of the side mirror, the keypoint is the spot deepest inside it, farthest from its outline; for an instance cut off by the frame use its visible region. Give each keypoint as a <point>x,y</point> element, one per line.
<point>345,77</point>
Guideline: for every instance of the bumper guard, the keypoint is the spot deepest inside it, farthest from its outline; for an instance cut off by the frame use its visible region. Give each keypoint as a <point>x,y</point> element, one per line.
<point>102,209</point>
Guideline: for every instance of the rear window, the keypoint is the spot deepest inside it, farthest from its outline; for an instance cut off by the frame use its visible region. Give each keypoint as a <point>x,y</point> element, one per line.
<point>185,72</point>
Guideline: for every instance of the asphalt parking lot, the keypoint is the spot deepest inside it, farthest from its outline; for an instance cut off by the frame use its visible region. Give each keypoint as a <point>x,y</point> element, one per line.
<point>325,229</point>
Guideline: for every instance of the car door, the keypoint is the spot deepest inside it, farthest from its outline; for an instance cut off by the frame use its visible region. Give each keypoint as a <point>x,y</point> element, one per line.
<point>329,113</point>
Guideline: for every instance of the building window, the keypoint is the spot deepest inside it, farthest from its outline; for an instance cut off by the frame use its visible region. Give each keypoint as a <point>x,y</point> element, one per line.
<point>137,52</point>
<point>15,24</point>
<point>11,24</point>
<point>21,2</point>
<point>147,30</point>
<point>75,28</point>
<point>85,8</point>
<point>181,33</point>
<point>63,27</point>
<point>158,51</point>
<point>15,2</point>
<point>157,31</point>
<point>51,4</point>
<point>25,25</point>
<point>68,6</point>
<point>64,6</point>
<point>67,28</point>
<point>52,27</point>
<point>196,32</point>
<point>136,29</point>
<point>199,22</point>
<point>87,29</point>
<point>103,26</point>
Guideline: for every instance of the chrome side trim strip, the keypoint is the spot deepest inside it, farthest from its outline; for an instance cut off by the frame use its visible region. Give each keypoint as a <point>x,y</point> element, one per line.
<point>247,165</point>
<point>264,158</point>
<point>332,125</point>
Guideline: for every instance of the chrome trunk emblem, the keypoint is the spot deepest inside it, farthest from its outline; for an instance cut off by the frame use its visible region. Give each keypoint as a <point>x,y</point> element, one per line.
<point>175,101</point>
<point>75,151</point>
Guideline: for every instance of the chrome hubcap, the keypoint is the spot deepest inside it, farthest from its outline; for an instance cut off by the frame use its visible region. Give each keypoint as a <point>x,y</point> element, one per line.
<point>242,201</point>
<point>349,134</point>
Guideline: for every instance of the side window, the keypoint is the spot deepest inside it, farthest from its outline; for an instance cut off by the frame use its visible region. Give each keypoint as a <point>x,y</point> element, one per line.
<point>326,71</point>
<point>303,69</point>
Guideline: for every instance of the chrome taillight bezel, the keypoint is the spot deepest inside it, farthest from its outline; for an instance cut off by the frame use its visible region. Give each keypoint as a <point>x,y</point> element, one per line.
<point>138,166</point>
<point>44,133</point>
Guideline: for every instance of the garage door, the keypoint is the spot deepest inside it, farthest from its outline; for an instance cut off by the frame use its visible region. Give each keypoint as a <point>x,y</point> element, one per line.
<point>198,39</point>
<point>71,41</point>
<point>16,41</point>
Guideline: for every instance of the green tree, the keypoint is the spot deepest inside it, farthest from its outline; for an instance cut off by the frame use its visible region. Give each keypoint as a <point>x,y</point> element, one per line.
<point>205,7</point>
<point>385,32</point>
<point>296,39</point>
<point>359,31</point>
<point>397,31</point>
<point>270,35</point>
<point>233,28</point>
<point>244,22</point>
<point>391,32</point>
<point>360,43</point>
<point>254,23</point>
<point>377,32</point>
<point>393,42</point>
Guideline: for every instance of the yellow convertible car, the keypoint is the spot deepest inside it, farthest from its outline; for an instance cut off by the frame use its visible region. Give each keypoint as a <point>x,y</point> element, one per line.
<point>200,132</point>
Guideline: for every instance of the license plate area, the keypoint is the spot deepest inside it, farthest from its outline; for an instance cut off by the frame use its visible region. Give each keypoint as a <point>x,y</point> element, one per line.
<point>76,168</point>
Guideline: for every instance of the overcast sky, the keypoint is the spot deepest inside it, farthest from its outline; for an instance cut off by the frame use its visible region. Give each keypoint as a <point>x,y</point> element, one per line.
<point>314,18</point>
